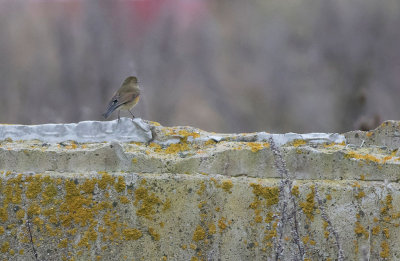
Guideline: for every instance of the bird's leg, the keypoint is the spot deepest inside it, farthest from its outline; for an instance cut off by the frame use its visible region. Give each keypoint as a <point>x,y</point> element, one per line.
<point>118,116</point>
<point>133,116</point>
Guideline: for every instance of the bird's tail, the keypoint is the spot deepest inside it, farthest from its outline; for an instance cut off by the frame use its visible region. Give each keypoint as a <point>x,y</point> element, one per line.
<point>110,110</point>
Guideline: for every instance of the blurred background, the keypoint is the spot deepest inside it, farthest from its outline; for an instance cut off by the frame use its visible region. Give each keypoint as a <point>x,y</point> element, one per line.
<point>224,66</point>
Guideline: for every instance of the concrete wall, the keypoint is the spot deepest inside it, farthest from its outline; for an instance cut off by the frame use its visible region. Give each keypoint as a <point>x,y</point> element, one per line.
<point>184,194</point>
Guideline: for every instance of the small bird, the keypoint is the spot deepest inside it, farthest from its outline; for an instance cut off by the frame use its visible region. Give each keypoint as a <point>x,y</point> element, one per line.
<point>125,98</point>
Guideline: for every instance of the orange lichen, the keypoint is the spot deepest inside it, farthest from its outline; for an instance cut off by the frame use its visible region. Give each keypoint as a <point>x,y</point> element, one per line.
<point>369,134</point>
<point>367,157</point>
<point>176,147</point>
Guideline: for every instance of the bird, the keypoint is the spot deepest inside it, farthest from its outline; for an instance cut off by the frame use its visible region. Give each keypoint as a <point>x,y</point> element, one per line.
<point>125,98</point>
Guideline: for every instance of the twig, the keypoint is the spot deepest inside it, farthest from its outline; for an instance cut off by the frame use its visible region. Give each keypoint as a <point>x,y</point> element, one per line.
<point>286,188</point>
<point>28,224</point>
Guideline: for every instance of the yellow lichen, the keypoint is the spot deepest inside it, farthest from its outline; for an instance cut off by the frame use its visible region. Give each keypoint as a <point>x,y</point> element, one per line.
<point>202,188</point>
<point>256,146</point>
<point>308,206</point>
<point>386,232</point>
<point>360,195</point>
<point>271,194</point>
<point>5,247</point>
<point>106,179</point>
<point>227,185</point>
<point>295,191</point>
<point>177,147</point>
<point>221,224</point>
<point>63,243</point>
<point>132,234</point>
<point>148,201</point>
<point>154,234</point>
<point>49,193</point>
<point>388,205</point>
<point>367,157</point>
<point>297,143</point>
<point>258,219</point>
<point>212,229</point>
<point>3,214</point>
<point>120,185</point>
<point>360,230</point>
<point>185,133</point>
<point>384,250</point>
<point>270,234</point>
<point>199,234</point>
<point>34,187</point>
<point>88,186</point>
<point>166,205</point>
<point>34,209</point>
<point>124,200</point>
<point>375,230</point>
<point>269,218</point>
<point>210,142</point>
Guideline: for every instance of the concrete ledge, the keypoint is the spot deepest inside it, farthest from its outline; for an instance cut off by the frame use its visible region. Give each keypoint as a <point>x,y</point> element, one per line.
<point>186,194</point>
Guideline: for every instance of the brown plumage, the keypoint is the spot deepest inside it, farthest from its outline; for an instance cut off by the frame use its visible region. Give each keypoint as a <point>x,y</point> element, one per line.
<point>125,98</point>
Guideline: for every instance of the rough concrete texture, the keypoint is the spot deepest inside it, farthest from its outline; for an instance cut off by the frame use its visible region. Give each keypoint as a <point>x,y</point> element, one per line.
<point>186,194</point>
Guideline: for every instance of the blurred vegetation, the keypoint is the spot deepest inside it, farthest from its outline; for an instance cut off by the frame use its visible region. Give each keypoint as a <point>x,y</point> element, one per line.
<point>232,66</point>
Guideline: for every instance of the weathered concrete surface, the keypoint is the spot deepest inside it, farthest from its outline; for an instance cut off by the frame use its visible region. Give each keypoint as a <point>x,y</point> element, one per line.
<point>186,194</point>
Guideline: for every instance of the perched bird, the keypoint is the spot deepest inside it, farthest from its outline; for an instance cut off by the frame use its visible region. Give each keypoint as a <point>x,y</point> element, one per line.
<point>125,98</point>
